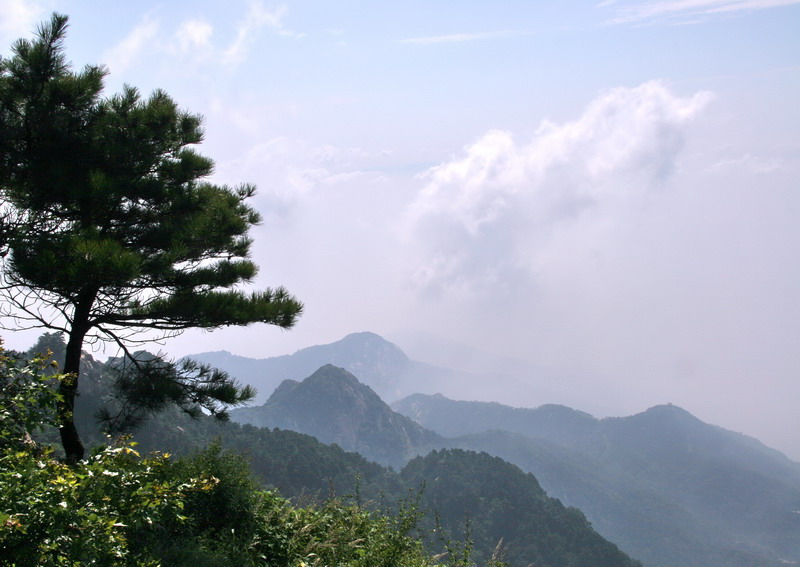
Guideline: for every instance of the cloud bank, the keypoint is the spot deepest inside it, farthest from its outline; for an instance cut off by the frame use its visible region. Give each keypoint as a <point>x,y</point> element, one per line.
<point>624,250</point>
<point>491,218</point>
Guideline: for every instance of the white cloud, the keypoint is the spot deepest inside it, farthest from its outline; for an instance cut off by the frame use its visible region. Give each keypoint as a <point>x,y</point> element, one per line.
<point>684,11</point>
<point>287,170</point>
<point>751,164</point>
<point>193,35</point>
<point>641,249</point>
<point>192,41</point>
<point>491,215</point>
<point>19,19</point>
<point>257,17</point>
<point>121,56</point>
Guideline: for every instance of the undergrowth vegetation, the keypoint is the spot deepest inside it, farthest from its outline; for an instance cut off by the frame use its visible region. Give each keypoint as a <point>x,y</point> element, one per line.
<point>122,508</point>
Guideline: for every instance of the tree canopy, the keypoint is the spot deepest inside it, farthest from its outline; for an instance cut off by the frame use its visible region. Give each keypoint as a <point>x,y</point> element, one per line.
<point>109,227</point>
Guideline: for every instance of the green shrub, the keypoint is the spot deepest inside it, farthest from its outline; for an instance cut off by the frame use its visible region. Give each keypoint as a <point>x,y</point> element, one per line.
<point>52,514</point>
<point>118,508</point>
<point>335,533</point>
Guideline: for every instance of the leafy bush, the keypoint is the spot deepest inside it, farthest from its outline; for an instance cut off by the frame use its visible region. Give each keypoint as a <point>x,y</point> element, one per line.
<point>52,514</point>
<point>118,508</point>
<point>336,534</point>
<point>27,398</point>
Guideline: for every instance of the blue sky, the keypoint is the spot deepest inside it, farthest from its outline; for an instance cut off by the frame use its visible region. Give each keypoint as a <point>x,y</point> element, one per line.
<point>608,189</point>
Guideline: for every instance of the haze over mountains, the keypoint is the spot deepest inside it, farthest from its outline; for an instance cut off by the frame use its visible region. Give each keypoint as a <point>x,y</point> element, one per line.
<point>385,368</point>
<point>432,498</point>
<point>666,487</point>
<point>662,484</point>
<point>333,406</point>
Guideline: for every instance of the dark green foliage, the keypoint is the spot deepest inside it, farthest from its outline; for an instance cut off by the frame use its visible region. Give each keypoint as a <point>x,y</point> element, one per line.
<point>666,487</point>
<point>333,406</point>
<point>55,515</point>
<point>52,343</point>
<point>133,233</point>
<point>335,533</point>
<point>297,465</point>
<point>233,501</point>
<point>143,385</point>
<point>27,398</point>
<point>111,229</point>
<point>220,522</point>
<point>120,509</point>
<point>499,501</point>
<point>503,506</point>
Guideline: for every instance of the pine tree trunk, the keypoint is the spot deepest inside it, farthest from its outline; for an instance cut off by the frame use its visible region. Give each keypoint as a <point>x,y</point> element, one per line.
<point>68,388</point>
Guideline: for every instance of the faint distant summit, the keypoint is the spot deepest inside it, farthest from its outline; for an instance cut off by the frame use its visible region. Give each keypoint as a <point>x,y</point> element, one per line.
<point>380,364</point>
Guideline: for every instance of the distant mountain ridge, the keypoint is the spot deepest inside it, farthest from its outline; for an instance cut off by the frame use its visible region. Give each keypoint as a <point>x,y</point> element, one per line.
<point>504,504</point>
<point>378,363</point>
<point>455,418</point>
<point>333,406</point>
<point>667,487</point>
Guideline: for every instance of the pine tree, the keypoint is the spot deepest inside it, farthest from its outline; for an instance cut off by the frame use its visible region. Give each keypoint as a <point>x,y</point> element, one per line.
<point>110,229</point>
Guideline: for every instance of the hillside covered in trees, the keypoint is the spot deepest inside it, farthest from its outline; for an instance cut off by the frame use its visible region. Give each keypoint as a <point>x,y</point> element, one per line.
<point>463,507</point>
<point>111,232</point>
<point>124,507</point>
<point>662,484</point>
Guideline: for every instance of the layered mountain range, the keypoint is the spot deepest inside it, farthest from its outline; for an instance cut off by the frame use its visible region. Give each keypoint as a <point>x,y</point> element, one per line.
<point>376,362</point>
<point>333,406</point>
<point>668,488</point>
<point>467,505</point>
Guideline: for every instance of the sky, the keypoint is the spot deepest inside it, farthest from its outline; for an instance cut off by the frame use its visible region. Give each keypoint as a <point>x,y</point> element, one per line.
<point>609,190</point>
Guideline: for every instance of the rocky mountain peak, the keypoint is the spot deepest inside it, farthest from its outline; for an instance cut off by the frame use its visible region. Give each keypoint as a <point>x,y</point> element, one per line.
<point>335,407</point>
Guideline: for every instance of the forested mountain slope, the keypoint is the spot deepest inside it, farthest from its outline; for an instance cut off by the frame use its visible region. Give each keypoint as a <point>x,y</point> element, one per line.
<point>333,406</point>
<point>300,466</point>
<point>507,506</point>
<point>667,487</point>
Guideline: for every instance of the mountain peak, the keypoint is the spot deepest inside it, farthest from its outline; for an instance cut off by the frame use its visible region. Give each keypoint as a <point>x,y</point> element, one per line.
<point>335,407</point>
<point>668,407</point>
<point>330,375</point>
<point>333,372</point>
<point>668,412</point>
<point>367,344</point>
<point>365,336</point>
